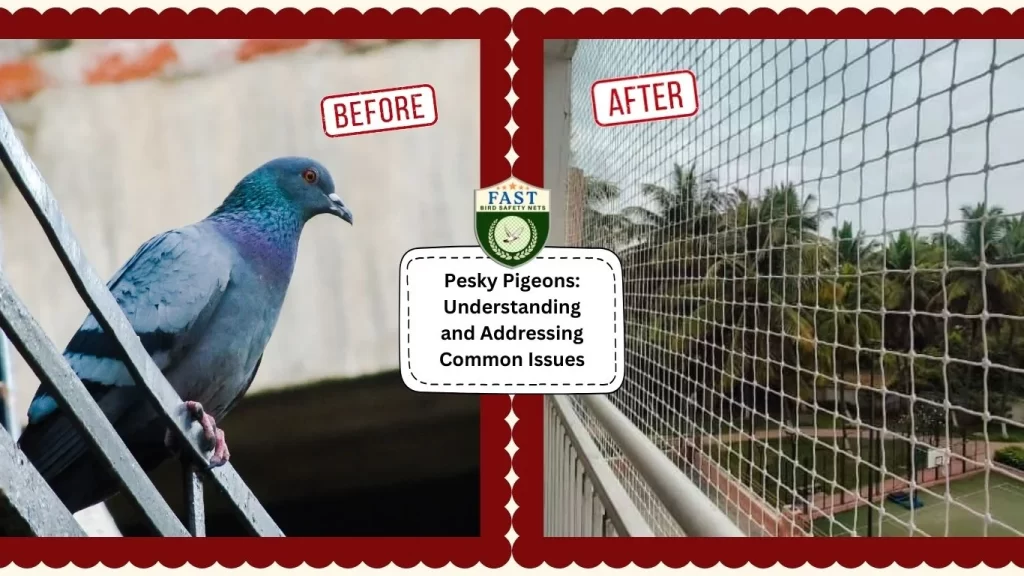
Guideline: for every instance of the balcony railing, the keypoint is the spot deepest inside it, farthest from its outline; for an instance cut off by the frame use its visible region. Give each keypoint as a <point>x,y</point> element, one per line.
<point>36,509</point>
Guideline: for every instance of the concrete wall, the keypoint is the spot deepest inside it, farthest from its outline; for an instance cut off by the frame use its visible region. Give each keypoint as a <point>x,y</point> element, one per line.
<point>128,160</point>
<point>557,66</point>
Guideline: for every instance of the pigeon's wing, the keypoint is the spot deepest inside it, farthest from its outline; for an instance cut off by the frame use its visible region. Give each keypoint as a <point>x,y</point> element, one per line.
<point>234,401</point>
<point>168,291</point>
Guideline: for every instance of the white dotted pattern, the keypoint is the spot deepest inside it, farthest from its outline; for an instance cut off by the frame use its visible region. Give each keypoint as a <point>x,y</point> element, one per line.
<point>511,419</point>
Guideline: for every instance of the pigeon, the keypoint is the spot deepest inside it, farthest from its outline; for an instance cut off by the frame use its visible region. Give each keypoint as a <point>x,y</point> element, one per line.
<point>203,300</point>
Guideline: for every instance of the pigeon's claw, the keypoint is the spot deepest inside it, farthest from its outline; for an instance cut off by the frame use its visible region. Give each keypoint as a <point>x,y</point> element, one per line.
<point>221,454</point>
<point>195,409</point>
<point>213,436</point>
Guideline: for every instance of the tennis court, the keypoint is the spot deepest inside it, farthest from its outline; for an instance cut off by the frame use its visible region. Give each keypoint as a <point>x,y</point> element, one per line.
<point>1005,504</point>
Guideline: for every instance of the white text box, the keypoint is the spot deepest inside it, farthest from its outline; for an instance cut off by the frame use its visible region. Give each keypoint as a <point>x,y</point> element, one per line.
<point>633,99</point>
<point>551,326</point>
<point>379,110</point>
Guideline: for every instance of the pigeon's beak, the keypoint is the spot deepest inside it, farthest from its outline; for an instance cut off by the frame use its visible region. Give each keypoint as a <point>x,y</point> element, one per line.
<point>339,209</point>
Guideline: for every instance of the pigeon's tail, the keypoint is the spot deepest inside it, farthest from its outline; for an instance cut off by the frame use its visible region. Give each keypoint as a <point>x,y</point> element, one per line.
<point>70,465</point>
<point>63,458</point>
<point>83,484</point>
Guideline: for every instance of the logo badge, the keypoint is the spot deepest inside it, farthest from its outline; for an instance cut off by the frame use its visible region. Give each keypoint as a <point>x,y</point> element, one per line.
<point>512,221</point>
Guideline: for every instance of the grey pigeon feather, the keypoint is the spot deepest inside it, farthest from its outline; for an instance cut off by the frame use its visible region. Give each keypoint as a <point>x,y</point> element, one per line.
<point>204,300</point>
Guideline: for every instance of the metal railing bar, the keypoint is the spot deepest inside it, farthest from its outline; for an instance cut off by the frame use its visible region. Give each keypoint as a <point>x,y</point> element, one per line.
<point>597,515</point>
<point>195,514</point>
<point>695,513</point>
<point>30,497</point>
<point>618,506</point>
<point>112,320</point>
<point>572,467</point>
<point>8,390</point>
<point>587,510</point>
<point>548,480</point>
<point>50,366</point>
<point>9,407</point>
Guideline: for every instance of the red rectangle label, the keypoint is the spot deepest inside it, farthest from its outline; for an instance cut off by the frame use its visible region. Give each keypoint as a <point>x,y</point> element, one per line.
<point>645,98</point>
<point>379,110</point>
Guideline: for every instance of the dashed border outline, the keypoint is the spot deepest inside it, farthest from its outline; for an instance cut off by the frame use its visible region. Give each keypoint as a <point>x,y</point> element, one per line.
<point>408,325</point>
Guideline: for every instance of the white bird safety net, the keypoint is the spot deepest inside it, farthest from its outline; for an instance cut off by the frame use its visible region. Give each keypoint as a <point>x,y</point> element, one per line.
<point>824,279</point>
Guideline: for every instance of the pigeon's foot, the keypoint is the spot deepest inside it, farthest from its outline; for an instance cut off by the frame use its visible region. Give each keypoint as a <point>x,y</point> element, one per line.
<point>214,436</point>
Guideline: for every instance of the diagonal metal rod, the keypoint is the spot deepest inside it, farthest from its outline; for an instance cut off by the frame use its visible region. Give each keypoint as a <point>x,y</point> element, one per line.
<point>23,491</point>
<point>112,320</point>
<point>195,515</point>
<point>50,366</point>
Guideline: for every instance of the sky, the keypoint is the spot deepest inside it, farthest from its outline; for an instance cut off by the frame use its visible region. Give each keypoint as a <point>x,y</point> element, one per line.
<point>887,134</point>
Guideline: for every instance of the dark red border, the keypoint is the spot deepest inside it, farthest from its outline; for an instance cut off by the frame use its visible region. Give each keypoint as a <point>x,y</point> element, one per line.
<point>491,27</point>
<point>531,27</point>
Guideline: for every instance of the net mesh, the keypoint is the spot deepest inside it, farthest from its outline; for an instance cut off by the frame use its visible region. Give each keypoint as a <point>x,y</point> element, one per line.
<point>823,279</point>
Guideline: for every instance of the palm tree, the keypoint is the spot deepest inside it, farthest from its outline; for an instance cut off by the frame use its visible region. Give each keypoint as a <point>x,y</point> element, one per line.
<point>1010,252</point>
<point>768,252</point>
<point>853,248</point>
<point>677,222</point>
<point>981,281</point>
<point>770,255</point>
<point>848,318</point>
<point>906,284</point>
<point>747,290</point>
<point>982,241</point>
<point>1011,248</point>
<point>676,219</point>
<point>607,225</point>
<point>689,201</point>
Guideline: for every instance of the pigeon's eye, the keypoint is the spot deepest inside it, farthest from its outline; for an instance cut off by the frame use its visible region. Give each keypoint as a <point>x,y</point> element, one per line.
<point>310,175</point>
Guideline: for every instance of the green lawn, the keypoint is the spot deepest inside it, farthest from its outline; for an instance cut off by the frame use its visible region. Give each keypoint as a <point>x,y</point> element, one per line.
<point>1005,502</point>
<point>995,434</point>
<point>779,470</point>
<point>819,419</point>
<point>781,465</point>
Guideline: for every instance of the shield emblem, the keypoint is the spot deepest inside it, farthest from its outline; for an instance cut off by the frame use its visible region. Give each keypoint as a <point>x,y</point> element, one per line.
<point>512,221</point>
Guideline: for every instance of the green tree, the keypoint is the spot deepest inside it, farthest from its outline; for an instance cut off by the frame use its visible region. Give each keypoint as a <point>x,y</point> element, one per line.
<point>604,222</point>
<point>743,293</point>
<point>849,318</point>
<point>981,281</point>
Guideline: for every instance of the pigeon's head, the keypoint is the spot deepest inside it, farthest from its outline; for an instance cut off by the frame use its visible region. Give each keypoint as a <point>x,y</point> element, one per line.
<point>307,185</point>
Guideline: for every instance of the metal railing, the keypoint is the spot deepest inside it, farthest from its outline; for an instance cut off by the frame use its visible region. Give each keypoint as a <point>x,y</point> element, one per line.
<point>37,509</point>
<point>584,493</point>
<point>581,494</point>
